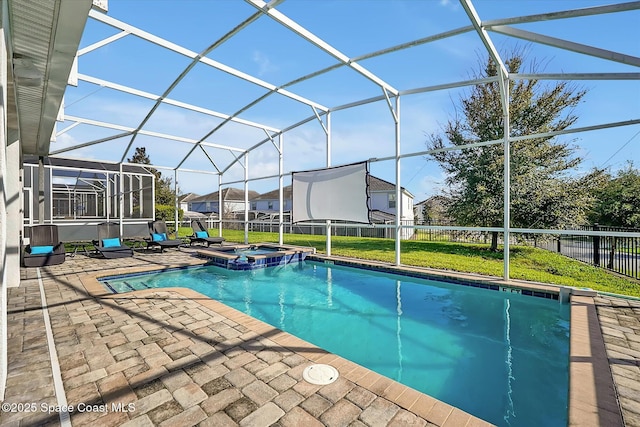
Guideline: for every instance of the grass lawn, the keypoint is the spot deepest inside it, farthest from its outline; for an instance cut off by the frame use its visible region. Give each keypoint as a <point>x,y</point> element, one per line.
<point>527,263</point>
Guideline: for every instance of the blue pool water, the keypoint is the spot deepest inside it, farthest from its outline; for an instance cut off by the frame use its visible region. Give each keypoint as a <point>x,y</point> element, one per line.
<point>254,251</point>
<point>500,356</point>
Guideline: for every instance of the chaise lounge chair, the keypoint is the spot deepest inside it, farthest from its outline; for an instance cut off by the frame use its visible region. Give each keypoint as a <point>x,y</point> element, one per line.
<point>44,247</point>
<point>159,233</point>
<point>201,235</point>
<point>109,243</point>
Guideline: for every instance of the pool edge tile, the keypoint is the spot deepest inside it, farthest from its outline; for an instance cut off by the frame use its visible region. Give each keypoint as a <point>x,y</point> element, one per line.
<point>422,405</point>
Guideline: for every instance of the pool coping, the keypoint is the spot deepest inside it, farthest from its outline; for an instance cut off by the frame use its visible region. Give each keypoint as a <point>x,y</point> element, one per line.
<point>592,398</point>
<point>459,278</point>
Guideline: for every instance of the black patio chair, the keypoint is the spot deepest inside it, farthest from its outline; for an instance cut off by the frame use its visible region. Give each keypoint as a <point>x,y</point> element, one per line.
<point>159,236</point>
<point>109,243</point>
<point>201,235</point>
<point>44,247</point>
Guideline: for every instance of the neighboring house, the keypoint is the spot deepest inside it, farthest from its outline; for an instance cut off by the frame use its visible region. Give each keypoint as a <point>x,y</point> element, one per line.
<point>432,209</point>
<point>270,202</point>
<point>383,198</point>
<point>184,199</point>
<point>188,215</point>
<point>232,201</point>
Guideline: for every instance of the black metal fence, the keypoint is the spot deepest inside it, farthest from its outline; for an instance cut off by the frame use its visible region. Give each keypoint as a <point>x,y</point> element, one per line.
<point>615,253</point>
<point>385,230</point>
<point>444,235</point>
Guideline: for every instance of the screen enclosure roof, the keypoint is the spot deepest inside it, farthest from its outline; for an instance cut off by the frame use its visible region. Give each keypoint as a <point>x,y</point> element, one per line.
<point>199,84</point>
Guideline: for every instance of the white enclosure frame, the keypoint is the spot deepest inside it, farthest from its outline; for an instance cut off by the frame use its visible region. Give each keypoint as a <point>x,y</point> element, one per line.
<point>322,114</point>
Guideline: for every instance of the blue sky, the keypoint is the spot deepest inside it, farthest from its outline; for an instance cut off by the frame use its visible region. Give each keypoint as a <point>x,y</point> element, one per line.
<point>272,53</point>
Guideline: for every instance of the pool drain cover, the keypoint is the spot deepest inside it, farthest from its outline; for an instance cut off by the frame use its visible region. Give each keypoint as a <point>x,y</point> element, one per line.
<point>320,374</point>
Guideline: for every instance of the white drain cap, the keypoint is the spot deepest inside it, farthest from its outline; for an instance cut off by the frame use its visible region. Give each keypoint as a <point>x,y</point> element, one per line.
<point>320,374</point>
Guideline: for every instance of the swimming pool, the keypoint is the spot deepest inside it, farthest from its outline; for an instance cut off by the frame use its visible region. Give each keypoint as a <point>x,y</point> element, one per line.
<point>500,356</point>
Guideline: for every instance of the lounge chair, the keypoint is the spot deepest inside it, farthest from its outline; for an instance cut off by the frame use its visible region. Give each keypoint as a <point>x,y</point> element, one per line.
<point>201,235</point>
<point>44,247</point>
<point>159,236</point>
<point>109,243</point>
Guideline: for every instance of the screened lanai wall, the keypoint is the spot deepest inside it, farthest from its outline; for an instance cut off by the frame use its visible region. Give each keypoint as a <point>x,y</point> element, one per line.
<point>78,195</point>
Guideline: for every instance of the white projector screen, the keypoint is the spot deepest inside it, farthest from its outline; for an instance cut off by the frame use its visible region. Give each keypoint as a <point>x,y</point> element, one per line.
<point>339,193</point>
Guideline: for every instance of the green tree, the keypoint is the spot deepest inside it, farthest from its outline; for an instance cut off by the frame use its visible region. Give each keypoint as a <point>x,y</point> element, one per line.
<point>543,192</point>
<point>618,200</point>
<point>164,193</point>
<point>140,156</point>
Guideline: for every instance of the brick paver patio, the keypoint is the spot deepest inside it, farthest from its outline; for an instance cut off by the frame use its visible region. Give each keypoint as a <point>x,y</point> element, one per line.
<point>620,324</point>
<point>173,358</point>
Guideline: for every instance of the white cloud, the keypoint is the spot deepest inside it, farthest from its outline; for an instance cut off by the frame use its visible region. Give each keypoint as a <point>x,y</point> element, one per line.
<point>430,185</point>
<point>265,65</point>
<point>452,5</point>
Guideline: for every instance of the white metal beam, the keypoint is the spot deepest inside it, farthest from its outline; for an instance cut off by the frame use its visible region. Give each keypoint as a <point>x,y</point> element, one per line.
<point>504,100</point>
<point>563,14</point>
<point>210,159</point>
<point>148,95</point>
<point>191,54</point>
<point>513,139</point>
<point>150,133</point>
<point>317,41</point>
<point>67,129</point>
<point>215,129</point>
<point>391,49</point>
<point>576,76</point>
<point>399,205</point>
<point>89,143</point>
<point>103,42</point>
<point>568,45</point>
<point>486,40</point>
<point>194,61</point>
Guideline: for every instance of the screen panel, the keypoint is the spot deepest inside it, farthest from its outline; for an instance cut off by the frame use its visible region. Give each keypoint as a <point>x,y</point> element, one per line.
<point>339,193</point>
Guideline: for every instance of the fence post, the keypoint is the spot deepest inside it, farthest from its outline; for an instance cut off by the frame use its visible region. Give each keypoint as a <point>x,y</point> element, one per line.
<point>612,252</point>
<point>596,247</point>
<point>559,248</point>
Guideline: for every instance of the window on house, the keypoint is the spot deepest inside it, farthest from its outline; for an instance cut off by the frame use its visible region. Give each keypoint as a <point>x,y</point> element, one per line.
<point>254,206</point>
<point>270,206</point>
<point>392,200</point>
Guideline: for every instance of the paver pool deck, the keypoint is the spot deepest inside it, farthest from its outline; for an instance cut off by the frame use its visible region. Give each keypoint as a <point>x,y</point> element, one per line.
<point>173,357</point>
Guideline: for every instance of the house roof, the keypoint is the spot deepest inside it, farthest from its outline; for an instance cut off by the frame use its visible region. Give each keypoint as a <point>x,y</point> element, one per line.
<point>433,200</point>
<point>377,184</point>
<point>187,197</point>
<point>275,194</point>
<point>378,216</point>
<point>228,194</point>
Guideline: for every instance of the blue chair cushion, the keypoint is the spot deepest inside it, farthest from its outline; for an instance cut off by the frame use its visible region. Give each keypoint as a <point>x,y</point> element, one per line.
<point>41,250</point>
<point>159,237</point>
<point>111,243</point>
<point>202,234</point>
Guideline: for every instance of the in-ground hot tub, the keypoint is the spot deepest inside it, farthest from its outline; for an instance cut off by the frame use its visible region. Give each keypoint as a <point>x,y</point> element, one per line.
<point>250,257</point>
